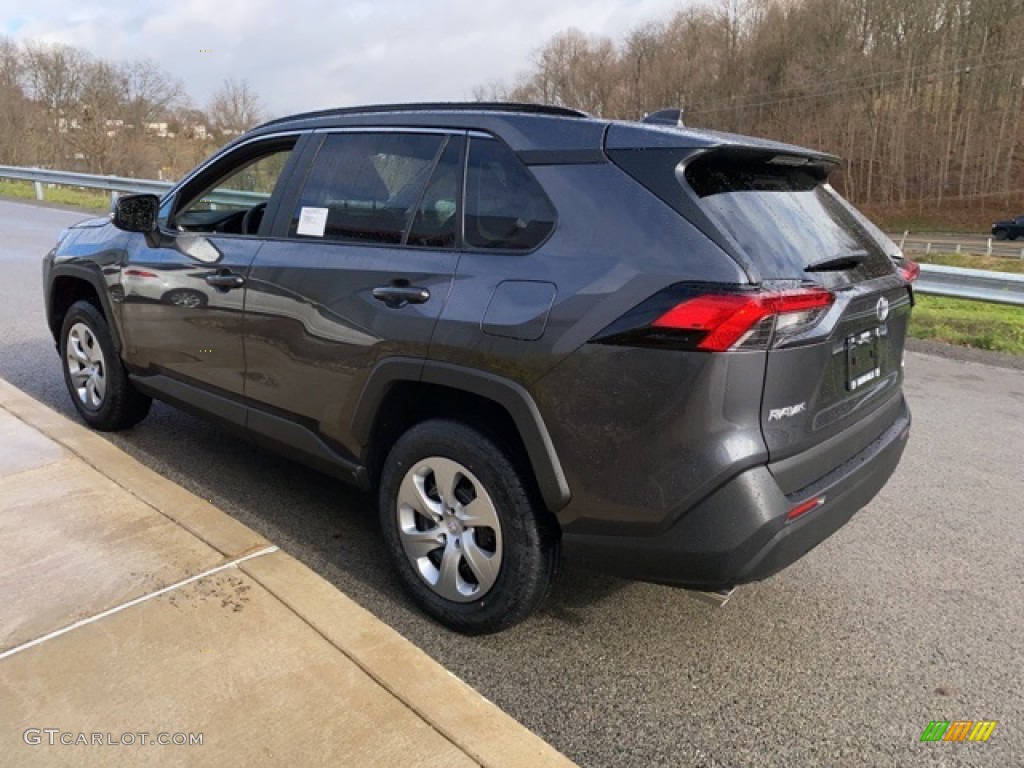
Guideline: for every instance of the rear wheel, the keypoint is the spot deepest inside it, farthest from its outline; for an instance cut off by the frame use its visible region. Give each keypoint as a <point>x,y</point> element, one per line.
<point>469,542</point>
<point>96,380</point>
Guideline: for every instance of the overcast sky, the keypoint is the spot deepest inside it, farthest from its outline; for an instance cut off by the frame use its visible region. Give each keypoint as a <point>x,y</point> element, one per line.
<point>307,54</point>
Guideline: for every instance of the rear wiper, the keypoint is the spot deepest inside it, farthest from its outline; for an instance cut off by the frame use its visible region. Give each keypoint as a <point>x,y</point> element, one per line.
<point>838,263</point>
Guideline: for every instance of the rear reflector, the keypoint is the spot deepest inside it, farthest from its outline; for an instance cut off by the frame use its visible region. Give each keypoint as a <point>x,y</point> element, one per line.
<point>804,508</point>
<point>727,320</point>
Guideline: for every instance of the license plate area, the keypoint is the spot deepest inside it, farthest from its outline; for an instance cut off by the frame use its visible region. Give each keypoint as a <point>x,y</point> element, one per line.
<point>863,360</point>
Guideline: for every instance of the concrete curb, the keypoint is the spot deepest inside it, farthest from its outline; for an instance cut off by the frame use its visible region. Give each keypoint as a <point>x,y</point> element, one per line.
<point>464,717</point>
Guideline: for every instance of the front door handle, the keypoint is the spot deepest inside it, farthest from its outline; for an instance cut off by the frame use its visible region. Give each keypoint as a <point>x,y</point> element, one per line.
<point>400,293</point>
<point>226,280</point>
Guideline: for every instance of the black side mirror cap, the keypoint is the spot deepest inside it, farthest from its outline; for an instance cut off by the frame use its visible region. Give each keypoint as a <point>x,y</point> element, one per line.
<point>136,213</point>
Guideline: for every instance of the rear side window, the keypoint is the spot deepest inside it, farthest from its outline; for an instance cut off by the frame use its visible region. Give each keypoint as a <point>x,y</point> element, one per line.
<point>505,206</point>
<point>366,187</point>
<point>784,215</point>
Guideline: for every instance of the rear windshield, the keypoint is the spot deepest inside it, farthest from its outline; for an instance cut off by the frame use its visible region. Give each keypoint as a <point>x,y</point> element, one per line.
<point>784,215</point>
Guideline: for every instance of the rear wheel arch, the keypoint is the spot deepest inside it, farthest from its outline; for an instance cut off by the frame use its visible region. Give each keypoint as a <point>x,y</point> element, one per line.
<point>401,393</point>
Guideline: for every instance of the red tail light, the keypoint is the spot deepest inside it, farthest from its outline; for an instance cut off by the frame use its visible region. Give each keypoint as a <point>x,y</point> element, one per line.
<point>909,270</point>
<point>139,273</point>
<point>732,320</point>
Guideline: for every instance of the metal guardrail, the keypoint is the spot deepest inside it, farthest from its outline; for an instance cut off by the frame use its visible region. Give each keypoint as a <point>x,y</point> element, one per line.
<point>955,282</point>
<point>978,284</point>
<point>987,246</point>
<point>41,177</point>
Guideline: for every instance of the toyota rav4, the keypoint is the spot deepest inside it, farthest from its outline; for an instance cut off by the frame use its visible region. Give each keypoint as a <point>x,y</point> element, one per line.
<point>670,354</point>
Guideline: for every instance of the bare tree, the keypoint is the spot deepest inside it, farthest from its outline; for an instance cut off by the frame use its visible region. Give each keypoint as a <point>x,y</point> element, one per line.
<point>93,136</point>
<point>235,108</point>
<point>54,77</point>
<point>19,115</point>
<point>150,92</point>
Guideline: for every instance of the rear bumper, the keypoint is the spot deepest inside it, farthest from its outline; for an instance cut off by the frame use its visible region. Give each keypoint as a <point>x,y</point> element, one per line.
<point>740,533</point>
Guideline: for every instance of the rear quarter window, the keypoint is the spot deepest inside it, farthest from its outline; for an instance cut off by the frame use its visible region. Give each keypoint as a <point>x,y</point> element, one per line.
<point>506,209</point>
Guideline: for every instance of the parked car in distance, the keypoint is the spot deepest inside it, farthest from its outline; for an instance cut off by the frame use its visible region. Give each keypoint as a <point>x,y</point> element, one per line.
<point>1008,229</point>
<point>669,354</point>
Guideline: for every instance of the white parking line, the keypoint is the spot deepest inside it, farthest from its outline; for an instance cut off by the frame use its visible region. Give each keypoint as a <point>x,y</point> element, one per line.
<point>130,603</point>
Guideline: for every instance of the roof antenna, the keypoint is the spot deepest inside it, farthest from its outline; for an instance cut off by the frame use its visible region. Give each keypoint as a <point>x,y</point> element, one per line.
<point>673,117</point>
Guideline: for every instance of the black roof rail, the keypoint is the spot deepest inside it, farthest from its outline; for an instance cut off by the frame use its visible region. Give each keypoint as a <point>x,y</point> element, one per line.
<point>446,106</point>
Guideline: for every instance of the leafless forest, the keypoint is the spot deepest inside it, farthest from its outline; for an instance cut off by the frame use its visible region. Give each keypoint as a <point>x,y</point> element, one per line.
<point>922,98</point>
<point>61,107</point>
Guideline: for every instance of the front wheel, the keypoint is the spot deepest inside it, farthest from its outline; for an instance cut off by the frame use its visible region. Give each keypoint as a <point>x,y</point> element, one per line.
<point>1001,234</point>
<point>469,542</point>
<point>96,380</point>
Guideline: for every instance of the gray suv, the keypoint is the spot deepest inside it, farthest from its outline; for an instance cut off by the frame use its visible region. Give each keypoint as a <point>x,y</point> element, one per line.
<point>670,354</point>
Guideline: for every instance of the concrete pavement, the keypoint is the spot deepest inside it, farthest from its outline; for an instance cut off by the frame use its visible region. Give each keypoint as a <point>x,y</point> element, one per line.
<point>135,613</point>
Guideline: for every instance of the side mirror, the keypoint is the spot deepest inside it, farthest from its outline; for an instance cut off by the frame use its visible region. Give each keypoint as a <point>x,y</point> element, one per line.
<point>136,213</point>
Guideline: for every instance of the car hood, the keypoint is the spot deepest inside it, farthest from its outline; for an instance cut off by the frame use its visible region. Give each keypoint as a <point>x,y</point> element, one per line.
<point>99,221</point>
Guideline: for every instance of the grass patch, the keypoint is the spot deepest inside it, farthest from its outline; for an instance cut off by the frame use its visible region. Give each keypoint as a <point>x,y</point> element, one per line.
<point>76,196</point>
<point>937,223</point>
<point>977,324</point>
<point>971,261</point>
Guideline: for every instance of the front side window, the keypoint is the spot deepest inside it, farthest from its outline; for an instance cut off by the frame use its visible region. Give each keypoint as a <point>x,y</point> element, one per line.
<point>232,196</point>
<point>366,187</point>
<point>505,206</point>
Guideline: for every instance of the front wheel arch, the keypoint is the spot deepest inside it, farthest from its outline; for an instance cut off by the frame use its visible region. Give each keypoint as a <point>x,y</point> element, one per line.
<point>71,283</point>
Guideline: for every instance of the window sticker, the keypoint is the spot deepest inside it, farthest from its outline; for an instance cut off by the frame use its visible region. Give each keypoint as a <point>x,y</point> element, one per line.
<point>312,222</point>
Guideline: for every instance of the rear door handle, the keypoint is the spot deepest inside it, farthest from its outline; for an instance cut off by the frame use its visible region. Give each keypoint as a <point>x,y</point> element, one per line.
<point>398,296</point>
<point>226,280</point>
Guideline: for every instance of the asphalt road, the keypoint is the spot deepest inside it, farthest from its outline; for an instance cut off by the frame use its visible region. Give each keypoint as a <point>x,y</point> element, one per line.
<point>913,612</point>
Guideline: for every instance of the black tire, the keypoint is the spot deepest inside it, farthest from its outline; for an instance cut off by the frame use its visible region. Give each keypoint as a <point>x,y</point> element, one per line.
<point>526,540</point>
<point>1001,234</point>
<point>86,335</point>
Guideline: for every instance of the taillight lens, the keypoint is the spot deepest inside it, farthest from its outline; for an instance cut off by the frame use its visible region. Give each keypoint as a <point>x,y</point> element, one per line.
<point>717,318</point>
<point>747,320</point>
<point>908,270</point>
